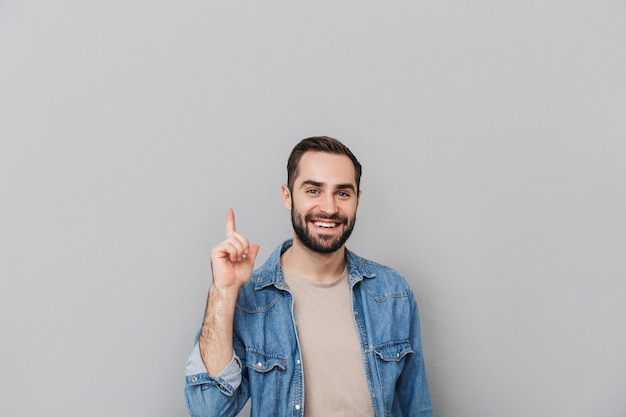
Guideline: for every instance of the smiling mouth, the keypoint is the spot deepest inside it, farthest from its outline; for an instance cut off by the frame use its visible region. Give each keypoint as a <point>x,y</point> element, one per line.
<point>325,225</point>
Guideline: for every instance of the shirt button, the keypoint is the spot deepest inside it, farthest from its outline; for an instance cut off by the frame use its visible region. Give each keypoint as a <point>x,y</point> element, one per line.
<point>194,379</point>
<point>297,406</point>
<point>260,365</point>
<point>298,362</point>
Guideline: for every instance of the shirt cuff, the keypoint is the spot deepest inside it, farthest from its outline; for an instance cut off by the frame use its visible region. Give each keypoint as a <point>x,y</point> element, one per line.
<point>196,372</point>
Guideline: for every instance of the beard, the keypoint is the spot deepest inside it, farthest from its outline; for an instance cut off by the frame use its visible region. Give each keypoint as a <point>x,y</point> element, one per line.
<point>321,244</point>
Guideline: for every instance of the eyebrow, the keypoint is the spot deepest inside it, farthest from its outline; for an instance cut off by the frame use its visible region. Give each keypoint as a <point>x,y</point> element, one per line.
<point>347,186</point>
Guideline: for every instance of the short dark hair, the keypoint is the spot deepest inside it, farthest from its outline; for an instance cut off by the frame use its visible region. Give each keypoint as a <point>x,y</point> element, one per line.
<point>319,144</point>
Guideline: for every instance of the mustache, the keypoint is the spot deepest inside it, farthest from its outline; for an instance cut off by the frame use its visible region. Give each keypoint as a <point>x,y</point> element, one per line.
<point>320,216</point>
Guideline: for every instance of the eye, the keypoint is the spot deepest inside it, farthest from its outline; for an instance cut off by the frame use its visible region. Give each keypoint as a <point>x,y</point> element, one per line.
<point>312,191</point>
<point>343,194</point>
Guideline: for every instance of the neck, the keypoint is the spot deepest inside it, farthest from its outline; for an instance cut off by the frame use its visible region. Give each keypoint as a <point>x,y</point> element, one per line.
<point>319,267</point>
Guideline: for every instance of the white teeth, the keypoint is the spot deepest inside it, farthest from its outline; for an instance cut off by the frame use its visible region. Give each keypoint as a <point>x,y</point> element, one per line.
<point>324,224</point>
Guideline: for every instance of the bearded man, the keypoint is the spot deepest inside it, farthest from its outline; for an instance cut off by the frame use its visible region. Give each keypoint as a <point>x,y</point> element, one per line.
<point>316,330</point>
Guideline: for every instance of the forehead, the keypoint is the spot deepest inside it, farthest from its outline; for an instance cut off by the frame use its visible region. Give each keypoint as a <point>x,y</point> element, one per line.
<point>326,167</point>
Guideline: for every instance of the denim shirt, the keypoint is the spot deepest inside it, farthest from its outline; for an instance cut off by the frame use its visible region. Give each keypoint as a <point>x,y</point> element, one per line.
<point>267,366</point>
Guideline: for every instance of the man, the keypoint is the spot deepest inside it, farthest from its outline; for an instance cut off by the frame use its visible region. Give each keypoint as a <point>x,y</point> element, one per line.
<point>316,330</point>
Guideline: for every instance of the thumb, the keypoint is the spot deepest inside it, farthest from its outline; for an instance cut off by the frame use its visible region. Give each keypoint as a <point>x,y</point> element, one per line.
<point>253,251</point>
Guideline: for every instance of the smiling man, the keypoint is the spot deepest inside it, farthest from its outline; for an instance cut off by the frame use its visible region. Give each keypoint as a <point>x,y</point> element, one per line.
<point>316,330</point>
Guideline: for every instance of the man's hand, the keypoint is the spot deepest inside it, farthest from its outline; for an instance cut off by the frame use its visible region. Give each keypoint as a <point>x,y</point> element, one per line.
<point>232,261</point>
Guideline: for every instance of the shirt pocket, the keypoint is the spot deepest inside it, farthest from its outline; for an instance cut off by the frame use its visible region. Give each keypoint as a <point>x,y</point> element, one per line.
<point>390,361</point>
<point>265,372</point>
<point>393,351</point>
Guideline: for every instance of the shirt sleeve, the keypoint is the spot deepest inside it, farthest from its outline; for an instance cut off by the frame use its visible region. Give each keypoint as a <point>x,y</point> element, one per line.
<point>412,385</point>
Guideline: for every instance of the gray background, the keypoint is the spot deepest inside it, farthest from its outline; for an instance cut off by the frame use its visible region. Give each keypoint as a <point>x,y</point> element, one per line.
<point>492,136</point>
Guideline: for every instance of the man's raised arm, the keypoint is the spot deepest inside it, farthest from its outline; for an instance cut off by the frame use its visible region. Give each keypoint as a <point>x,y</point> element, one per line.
<point>232,262</point>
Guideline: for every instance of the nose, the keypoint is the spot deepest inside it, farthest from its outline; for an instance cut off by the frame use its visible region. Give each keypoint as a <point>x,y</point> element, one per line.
<point>328,205</point>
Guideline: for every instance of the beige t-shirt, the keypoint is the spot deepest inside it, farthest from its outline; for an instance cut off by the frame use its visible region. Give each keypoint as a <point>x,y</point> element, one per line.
<point>334,373</point>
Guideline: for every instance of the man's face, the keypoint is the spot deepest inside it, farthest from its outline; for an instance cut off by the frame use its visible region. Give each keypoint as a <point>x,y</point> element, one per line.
<point>323,201</point>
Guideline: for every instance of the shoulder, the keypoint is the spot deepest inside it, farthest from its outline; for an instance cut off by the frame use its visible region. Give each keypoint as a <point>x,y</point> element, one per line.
<point>377,275</point>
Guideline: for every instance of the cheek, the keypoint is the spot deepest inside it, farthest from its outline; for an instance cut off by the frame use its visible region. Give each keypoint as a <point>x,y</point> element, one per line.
<point>350,208</point>
<point>302,205</point>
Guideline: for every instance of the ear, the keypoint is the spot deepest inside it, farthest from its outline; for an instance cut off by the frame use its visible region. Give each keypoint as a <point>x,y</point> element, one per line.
<point>358,198</point>
<point>286,197</point>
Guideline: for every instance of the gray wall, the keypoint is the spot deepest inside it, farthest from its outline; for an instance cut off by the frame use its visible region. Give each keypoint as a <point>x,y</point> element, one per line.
<point>492,135</point>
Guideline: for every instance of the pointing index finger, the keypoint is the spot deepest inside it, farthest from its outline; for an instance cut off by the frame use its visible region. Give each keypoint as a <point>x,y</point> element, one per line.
<point>230,222</point>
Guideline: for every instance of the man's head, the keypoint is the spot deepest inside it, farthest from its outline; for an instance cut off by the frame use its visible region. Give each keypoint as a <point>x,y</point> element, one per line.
<point>323,179</point>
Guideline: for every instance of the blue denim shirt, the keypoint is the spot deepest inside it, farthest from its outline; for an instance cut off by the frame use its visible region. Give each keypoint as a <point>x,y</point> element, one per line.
<point>266,364</point>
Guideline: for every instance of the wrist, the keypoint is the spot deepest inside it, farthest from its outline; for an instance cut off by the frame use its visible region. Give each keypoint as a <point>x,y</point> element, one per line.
<point>225,293</point>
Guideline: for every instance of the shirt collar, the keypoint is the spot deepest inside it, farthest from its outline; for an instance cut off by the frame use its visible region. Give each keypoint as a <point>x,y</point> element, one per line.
<point>271,273</point>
